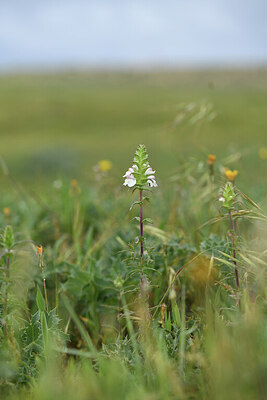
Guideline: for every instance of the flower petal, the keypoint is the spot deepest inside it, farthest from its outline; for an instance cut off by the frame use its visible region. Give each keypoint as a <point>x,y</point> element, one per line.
<point>129,182</point>
<point>149,171</point>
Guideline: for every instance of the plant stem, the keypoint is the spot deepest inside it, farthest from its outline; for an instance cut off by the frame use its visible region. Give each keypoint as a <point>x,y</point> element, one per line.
<point>234,249</point>
<point>141,224</point>
<point>43,273</point>
<point>141,243</point>
<point>6,296</point>
<point>119,311</point>
<point>211,176</point>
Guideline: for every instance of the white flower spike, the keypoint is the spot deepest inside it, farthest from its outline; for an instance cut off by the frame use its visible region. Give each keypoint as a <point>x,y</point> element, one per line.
<point>141,173</point>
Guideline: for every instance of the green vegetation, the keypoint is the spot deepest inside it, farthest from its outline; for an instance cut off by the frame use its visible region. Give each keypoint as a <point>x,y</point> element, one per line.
<point>93,306</point>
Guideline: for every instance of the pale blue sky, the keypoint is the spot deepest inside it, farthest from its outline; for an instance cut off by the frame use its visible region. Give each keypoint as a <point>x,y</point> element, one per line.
<point>80,33</point>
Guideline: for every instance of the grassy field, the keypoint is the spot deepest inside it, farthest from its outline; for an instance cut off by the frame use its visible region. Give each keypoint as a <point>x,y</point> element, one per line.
<point>108,321</point>
<point>64,123</point>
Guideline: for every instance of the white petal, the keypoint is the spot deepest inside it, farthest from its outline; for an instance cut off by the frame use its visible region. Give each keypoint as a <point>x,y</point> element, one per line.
<point>149,171</point>
<point>152,183</point>
<point>222,199</point>
<point>129,182</point>
<point>128,173</point>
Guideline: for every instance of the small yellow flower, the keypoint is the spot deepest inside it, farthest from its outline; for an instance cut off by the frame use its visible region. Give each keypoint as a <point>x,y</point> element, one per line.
<point>74,183</point>
<point>230,175</point>
<point>6,211</point>
<point>39,250</point>
<point>211,159</point>
<point>104,165</point>
<point>263,153</point>
<point>74,187</point>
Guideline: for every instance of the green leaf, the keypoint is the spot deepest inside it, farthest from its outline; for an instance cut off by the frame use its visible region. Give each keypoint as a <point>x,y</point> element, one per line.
<point>135,203</point>
<point>176,315</point>
<point>31,332</point>
<point>168,323</point>
<point>76,282</point>
<point>40,300</point>
<point>44,329</point>
<point>135,219</point>
<point>148,221</point>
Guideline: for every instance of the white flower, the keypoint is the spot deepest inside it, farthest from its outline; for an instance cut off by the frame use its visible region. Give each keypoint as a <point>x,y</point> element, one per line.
<point>149,171</point>
<point>131,181</point>
<point>57,184</point>
<point>222,199</point>
<point>152,181</point>
<point>129,178</point>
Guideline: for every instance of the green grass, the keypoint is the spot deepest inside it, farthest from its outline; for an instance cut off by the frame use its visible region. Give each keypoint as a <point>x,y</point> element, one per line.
<point>87,117</point>
<point>100,340</point>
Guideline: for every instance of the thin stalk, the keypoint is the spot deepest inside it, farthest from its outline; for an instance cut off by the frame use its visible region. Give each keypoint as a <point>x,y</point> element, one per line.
<point>6,295</point>
<point>119,316</point>
<point>211,176</point>
<point>141,224</point>
<point>141,241</point>
<point>43,274</point>
<point>234,248</point>
<point>46,302</point>
<point>182,335</point>
<point>211,180</point>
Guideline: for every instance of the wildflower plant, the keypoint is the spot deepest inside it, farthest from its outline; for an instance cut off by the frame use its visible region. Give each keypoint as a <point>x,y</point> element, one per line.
<point>39,250</point>
<point>140,177</point>
<point>228,196</point>
<point>228,200</point>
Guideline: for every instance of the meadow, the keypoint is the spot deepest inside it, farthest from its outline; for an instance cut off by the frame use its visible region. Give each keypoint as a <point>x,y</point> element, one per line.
<point>90,307</point>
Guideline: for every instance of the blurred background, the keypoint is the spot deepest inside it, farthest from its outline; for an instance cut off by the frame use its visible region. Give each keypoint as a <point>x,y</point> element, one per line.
<point>84,81</point>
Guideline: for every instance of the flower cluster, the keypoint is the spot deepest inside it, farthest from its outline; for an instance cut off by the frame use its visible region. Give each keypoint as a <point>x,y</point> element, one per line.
<point>141,174</point>
<point>228,196</point>
<point>131,178</point>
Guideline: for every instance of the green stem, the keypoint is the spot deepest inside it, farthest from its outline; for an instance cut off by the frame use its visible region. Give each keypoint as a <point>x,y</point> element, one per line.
<point>141,224</point>
<point>45,292</point>
<point>234,248</point>
<point>141,243</point>
<point>6,296</point>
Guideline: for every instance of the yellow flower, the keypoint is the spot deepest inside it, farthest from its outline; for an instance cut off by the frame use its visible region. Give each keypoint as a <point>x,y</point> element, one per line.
<point>211,159</point>
<point>6,211</point>
<point>75,188</point>
<point>74,183</point>
<point>39,250</point>
<point>104,165</point>
<point>263,153</point>
<point>230,175</point>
